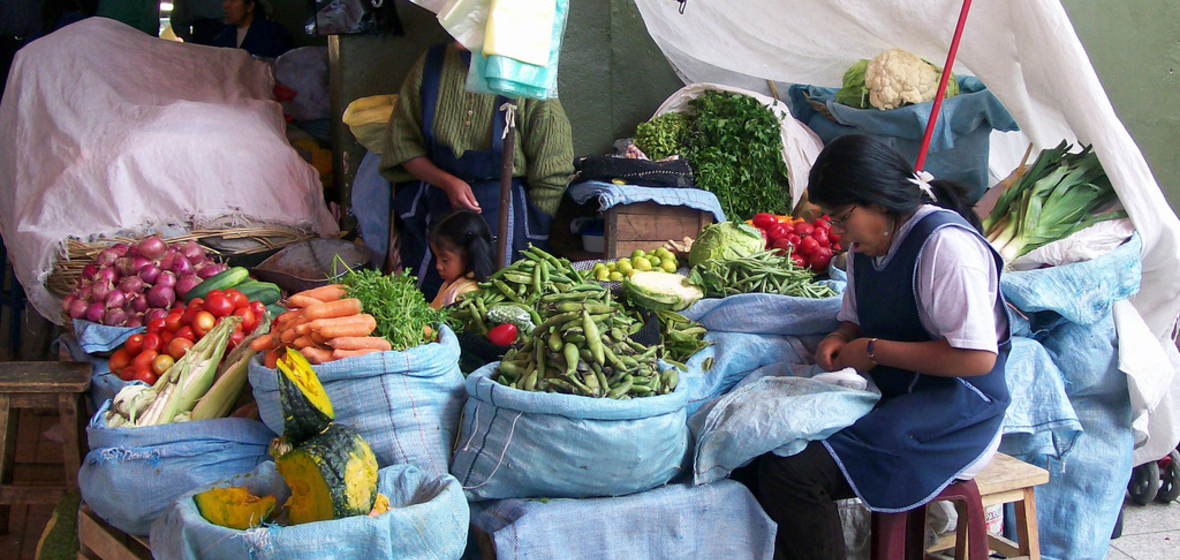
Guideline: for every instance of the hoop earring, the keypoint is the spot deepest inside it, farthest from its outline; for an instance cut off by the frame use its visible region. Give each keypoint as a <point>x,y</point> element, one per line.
<point>886,233</point>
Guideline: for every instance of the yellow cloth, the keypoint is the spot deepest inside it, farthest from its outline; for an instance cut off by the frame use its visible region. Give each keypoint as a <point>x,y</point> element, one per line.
<point>520,29</point>
<point>450,291</point>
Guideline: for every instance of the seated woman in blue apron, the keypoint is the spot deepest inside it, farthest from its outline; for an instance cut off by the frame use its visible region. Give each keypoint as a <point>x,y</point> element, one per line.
<point>443,153</point>
<point>922,317</point>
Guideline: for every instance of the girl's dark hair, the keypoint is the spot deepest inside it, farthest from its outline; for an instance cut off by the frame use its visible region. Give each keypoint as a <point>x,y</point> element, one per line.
<point>859,169</point>
<point>467,233</point>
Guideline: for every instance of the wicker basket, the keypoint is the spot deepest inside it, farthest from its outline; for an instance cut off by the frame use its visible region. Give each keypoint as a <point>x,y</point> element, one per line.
<point>820,107</point>
<point>217,242</point>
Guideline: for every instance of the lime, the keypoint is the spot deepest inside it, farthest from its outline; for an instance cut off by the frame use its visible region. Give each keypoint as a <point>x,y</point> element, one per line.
<point>616,276</point>
<point>668,266</point>
<point>642,264</point>
<point>602,275</point>
<point>632,272</point>
<point>624,266</point>
<point>638,253</point>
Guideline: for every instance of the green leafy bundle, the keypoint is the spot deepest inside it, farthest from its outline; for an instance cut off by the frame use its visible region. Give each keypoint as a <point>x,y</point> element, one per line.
<point>663,136</point>
<point>401,311</point>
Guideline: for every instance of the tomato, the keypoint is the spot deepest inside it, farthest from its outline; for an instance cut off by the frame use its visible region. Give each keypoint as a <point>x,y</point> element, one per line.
<point>144,374</point>
<point>155,325</point>
<point>259,310</point>
<point>203,322</point>
<point>794,239</point>
<point>836,248</point>
<point>764,220</point>
<point>502,335</point>
<point>165,338</point>
<point>219,305</point>
<point>119,359</point>
<point>152,341</point>
<point>187,317</point>
<point>186,333</point>
<point>236,338</point>
<point>196,302</point>
<point>821,237</point>
<point>808,245</point>
<point>173,321</point>
<point>178,347</point>
<point>249,321</point>
<point>237,298</point>
<point>778,231</point>
<point>765,238</point>
<point>162,363</point>
<point>804,229</point>
<point>145,358</point>
<point>799,260</point>
<point>128,373</point>
<point>821,260</point>
<point>134,345</point>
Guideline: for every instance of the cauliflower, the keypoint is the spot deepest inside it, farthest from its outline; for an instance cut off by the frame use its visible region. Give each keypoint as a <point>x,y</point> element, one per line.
<point>896,77</point>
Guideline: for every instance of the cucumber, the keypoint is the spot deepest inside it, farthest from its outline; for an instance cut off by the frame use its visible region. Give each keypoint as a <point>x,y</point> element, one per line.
<point>265,292</point>
<point>229,278</point>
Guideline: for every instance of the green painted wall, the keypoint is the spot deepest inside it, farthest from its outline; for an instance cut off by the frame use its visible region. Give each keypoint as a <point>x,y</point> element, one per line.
<point>1135,48</point>
<point>612,76</point>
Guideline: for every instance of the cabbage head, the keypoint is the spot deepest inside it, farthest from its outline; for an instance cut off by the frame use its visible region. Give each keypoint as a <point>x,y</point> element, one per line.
<point>725,240</point>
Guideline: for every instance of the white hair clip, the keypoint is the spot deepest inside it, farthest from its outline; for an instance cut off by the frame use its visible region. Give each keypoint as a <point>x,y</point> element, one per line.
<point>922,180</point>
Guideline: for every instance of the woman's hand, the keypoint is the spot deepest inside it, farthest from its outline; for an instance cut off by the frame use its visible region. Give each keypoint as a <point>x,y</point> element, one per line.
<point>460,195</point>
<point>855,355</point>
<point>829,349</point>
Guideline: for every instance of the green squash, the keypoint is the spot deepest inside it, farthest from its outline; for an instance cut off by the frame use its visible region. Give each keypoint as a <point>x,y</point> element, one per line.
<point>331,476</point>
<point>306,408</point>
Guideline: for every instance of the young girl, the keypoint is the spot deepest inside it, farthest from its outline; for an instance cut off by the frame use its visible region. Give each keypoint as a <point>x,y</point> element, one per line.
<point>462,247</point>
<point>924,318</point>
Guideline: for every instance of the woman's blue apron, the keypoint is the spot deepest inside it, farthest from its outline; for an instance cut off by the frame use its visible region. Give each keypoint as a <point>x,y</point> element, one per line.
<point>419,204</point>
<point>926,429</point>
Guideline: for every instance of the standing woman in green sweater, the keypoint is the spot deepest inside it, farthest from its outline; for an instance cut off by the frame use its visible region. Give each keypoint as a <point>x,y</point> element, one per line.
<point>443,154</point>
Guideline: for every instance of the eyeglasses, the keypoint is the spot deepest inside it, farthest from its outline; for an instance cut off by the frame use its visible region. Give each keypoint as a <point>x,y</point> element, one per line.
<point>839,222</point>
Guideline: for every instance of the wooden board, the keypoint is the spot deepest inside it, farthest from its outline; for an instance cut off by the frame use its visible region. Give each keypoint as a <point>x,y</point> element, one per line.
<point>99,541</point>
<point>647,225</point>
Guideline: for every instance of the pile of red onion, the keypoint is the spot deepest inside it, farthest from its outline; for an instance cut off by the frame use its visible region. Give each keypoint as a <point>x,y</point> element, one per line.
<point>131,285</point>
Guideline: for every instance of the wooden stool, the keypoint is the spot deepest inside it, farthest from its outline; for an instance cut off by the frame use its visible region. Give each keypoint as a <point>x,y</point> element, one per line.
<point>1004,480</point>
<point>59,385</point>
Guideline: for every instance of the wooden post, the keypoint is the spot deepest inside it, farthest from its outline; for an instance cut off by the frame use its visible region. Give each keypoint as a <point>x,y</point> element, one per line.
<point>506,169</point>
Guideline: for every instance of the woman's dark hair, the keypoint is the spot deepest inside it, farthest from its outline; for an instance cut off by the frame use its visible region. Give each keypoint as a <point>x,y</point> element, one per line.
<point>466,233</point>
<point>859,169</point>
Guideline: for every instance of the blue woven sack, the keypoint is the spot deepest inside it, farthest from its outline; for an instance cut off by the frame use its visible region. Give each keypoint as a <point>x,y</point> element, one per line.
<point>427,519</point>
<point>131,474</point>
<point>522,444</point>
<point>405,404</point>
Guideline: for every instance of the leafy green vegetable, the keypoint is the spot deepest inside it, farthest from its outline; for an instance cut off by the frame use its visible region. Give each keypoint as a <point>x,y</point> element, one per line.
<point>735,150</point>
<point>854,93</point>
<point>663,136</point>
<point>661,291</point>
<point>400,309</point>
<point>725,240</point>
<point>1056,197</point>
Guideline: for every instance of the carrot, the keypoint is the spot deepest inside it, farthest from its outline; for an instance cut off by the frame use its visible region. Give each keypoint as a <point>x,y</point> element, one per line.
<point>316,355</point>
<point>272,358</point>
<point>346,329</point>
<point>364,319</point>
<point>318,338</point>
<point>288,316</point>
<point>331,292</point>
<point>288,336</point>
<point>302,302</point>
<point>263,343</point>
<point>341,354</point>
<point>360,343</point>
<point>303,342</point>
<point>338,308</point>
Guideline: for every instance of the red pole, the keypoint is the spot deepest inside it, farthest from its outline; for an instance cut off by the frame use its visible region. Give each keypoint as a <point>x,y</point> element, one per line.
<point>946,74</point>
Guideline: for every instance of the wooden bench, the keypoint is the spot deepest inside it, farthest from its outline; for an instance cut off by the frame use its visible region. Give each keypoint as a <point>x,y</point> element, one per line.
<point>53,385</point>
<point>99,541</point>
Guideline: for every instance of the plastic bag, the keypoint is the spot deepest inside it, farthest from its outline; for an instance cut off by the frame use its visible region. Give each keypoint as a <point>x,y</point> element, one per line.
<point>368,119</point>
<point>465,20</point>
<point>340,17</point>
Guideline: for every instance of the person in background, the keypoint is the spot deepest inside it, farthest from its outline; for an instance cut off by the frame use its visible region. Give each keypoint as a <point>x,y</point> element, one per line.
<point>246,27</point>
<point>924,318</point>
<point>443,153</point>
<point>462,247</point>
<point>197,21</point>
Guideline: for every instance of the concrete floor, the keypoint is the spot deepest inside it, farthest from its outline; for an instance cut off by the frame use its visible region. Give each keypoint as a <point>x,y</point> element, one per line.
<point>1150,532</point>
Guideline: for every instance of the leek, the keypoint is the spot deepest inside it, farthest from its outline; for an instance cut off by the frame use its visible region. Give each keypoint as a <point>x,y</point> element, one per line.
<point>1058,195</point>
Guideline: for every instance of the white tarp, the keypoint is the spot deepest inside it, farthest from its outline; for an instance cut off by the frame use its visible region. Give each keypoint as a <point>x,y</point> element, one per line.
<point>107,130</point>
<point>1025,51</point>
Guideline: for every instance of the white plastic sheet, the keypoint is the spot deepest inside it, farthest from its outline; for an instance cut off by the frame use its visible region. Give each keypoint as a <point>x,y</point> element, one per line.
<point>1025,51</point>
<point>108,130</point>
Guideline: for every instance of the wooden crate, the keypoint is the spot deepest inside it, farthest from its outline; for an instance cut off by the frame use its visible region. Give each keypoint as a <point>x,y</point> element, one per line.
<point>99,541</point>
<point>647,225</point>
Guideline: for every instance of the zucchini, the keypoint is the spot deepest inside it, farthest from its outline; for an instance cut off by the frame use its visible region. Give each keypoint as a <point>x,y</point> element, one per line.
<point>331,476</point>
<point>254,290</point>
<point>228,278</point>
<point>306,408</point>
